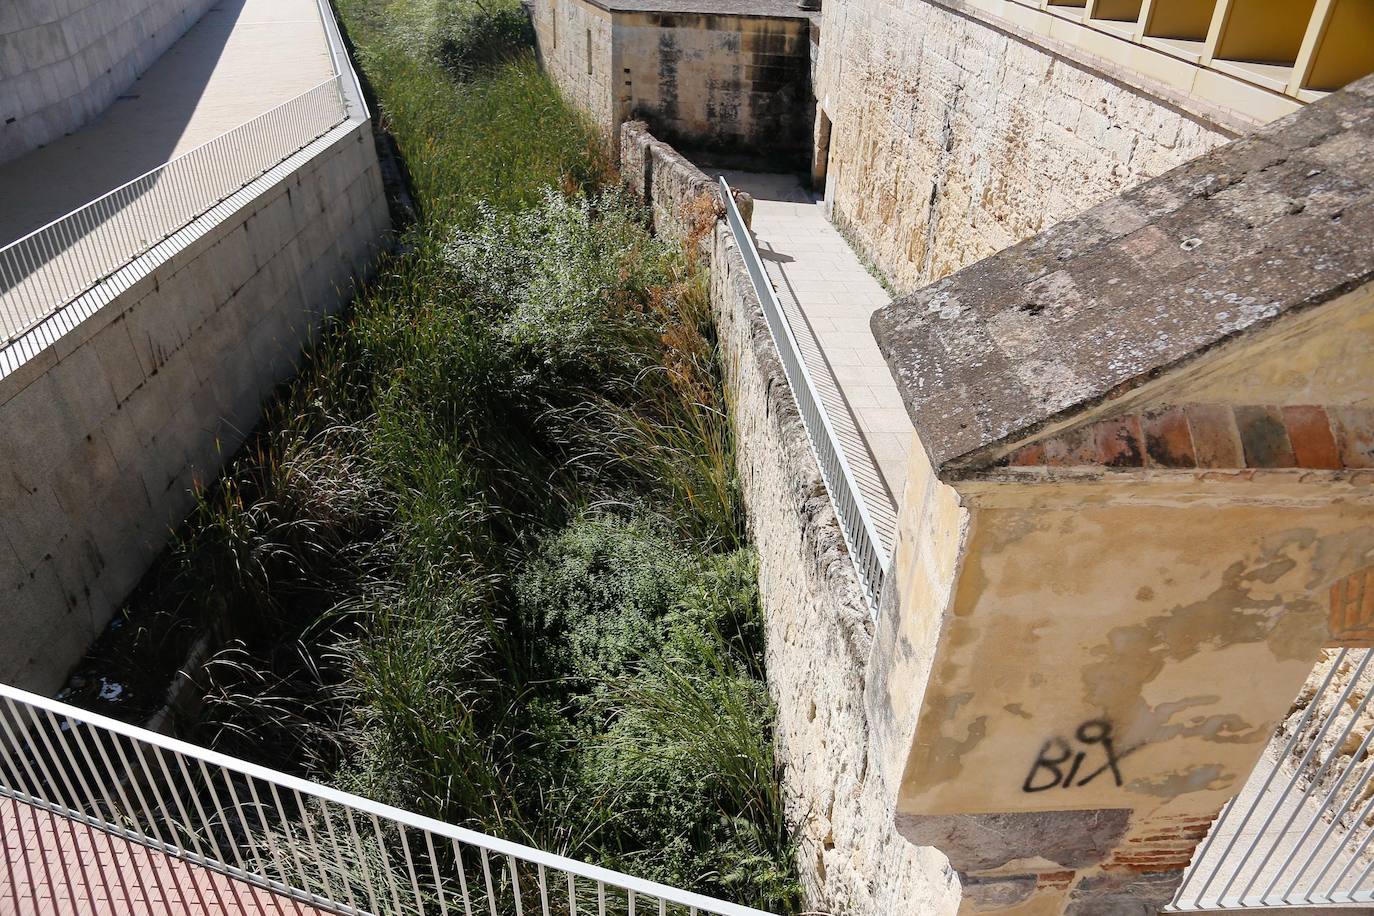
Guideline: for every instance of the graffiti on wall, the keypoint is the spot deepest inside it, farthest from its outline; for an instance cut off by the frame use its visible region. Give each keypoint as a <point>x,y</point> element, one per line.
<point>1072,762</point>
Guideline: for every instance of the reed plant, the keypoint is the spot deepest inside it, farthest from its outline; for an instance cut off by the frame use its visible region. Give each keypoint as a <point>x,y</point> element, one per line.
<point>485,559</point>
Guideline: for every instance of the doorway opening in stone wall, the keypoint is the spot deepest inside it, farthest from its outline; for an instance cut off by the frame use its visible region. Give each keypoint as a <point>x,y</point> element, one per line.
<point>820,157</point>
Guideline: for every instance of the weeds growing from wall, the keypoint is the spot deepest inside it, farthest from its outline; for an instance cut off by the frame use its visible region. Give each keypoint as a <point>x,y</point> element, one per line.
<point>485,559</point>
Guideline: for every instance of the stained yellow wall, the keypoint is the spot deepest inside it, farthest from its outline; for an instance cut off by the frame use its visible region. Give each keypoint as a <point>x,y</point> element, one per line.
<point>1184,633</point>
<point>1346,50</point>
<point>1180,18</point>
<point>1173,613</point>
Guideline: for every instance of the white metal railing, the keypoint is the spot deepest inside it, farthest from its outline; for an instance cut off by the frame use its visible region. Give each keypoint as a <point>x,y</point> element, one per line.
<point>1299,834</point>
<point>52,266</point>
<point>317,845</point>
<point>865,547</point>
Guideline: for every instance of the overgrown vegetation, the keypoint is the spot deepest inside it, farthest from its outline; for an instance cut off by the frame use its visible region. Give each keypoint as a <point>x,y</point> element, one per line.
<point>486,558</point>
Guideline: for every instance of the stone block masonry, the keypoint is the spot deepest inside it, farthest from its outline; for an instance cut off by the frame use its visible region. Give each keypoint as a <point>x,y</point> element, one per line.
<point>683,203</point>
<point>953,136</point>
<point>725,77</point>
<point>723,84</point>
<point>819,629</point>
<point>112,429</point>
<point>1147,432</point>
<point>62,62</point>
<point>574,42</point>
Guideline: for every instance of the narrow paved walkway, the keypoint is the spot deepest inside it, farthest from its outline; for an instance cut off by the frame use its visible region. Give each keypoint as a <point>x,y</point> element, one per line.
<point>829,297</point>
<point>243,58</point>
<point>53,865</point>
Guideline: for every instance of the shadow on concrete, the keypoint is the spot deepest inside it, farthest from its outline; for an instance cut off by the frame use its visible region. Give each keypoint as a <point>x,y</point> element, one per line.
<point>135,135</point>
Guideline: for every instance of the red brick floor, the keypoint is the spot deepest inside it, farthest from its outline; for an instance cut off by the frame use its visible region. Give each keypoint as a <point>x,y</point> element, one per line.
<point>53,865</point>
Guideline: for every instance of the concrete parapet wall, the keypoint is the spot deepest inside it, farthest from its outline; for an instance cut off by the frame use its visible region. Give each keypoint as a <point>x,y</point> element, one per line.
<point>112,429</point>
<point>952,135</point>
<point>62,62</point>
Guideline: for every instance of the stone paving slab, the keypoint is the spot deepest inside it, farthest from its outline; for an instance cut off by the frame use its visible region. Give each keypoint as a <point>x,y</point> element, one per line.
<point>829,296</point>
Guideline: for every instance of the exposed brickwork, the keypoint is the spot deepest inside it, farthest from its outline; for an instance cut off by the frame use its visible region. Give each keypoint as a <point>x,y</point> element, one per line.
<point>1351,618</point>
<point>1213,436</point>
<point>1264,438</point>
<point>1055,880</point>
<point>1167,847</point>
<point>1314,444</point>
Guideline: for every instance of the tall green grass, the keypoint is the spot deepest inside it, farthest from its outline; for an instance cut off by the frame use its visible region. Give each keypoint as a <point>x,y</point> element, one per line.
<point>485,559</point>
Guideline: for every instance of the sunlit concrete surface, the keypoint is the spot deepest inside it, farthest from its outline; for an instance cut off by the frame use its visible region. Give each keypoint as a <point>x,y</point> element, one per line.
<point>243,58</point>
<point>54,865</point>
<point>828,296</point>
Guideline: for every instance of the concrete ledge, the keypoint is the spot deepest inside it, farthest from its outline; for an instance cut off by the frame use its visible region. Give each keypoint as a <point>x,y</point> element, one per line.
<point>1250,234</point>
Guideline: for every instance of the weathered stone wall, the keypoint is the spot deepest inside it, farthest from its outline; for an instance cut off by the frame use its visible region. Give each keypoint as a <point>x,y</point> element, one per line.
<point>110,430</point>
<point>684,204</point>
<point>954,136</point>
<point>728,84</point>
<point>732,84</point>
<point>574,42</point>
<point>1157,416</point>
<point>819,630</point>
<point>62,63</point>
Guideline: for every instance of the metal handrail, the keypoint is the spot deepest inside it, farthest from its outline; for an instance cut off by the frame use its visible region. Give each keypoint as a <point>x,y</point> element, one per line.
<point>1299,833</point>
<point>861,536</point>
<point>313,843</point>
<point>56,264</point>
<point>352,87</point>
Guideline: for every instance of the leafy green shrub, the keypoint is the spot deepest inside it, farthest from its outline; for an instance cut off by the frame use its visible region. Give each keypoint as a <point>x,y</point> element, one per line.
<point>600,593</point>
<point>660,650</point>
<point>565,284</point>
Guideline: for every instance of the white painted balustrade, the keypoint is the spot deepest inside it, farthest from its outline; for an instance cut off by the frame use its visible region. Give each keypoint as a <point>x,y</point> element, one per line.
<point>319,846</point>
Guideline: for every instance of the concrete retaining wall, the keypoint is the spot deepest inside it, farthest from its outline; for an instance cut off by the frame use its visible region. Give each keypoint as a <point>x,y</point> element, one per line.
<point>953,136</point>
<point>111,430</point>
<point>62,62</point>
<point>819,632</point>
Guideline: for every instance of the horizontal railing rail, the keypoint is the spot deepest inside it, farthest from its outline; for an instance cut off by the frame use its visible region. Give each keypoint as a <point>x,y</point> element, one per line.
<point>323,847</point>
<point>1299,834</point>
<point>861,536</point>
<point>56,264</point>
